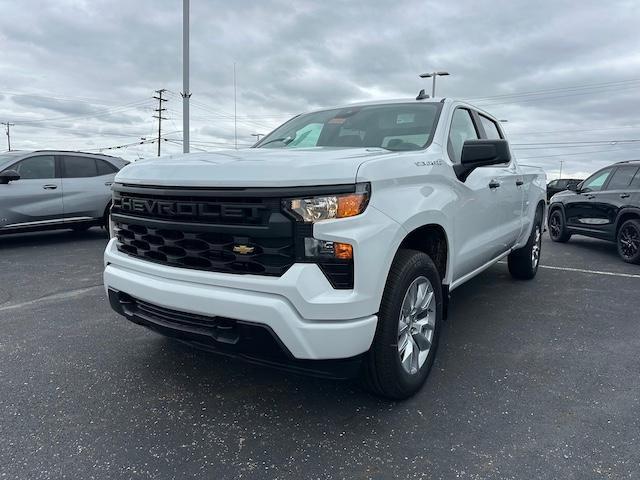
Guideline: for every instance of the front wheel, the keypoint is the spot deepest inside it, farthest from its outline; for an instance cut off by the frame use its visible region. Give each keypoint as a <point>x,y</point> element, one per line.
<point>523,262</point>
<point>404,347</point>
<point>629,241</point>
<point>557,227</point>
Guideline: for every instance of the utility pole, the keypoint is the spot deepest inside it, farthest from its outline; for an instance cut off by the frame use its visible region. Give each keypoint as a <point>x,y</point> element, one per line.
<point>186,94</point>
<point>433,75</point>
<point>561,162</point>
<point>8,131</point>
<point>160,109</point>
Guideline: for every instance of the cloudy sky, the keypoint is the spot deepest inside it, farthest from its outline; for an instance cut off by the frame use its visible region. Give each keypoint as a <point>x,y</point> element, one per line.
<point>80,74</point>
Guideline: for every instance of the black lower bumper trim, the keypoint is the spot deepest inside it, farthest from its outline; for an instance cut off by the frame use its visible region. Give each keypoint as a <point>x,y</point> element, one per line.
<point>252,342</point>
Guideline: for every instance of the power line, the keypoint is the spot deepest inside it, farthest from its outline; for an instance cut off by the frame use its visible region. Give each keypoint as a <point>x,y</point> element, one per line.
<point>517,101</point>
<point>553,132</point>
<point>98,113</point>
<point>551,145</point>
<point>610,150</point>
<point>558,89</point>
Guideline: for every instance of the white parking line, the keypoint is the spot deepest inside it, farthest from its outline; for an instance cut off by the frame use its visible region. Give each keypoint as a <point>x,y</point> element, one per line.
<point>582,270</point>
<point>594,272</point>
<point>55,296</point>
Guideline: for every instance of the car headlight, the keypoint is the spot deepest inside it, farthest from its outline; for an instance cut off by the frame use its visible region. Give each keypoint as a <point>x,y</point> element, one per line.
<point>327,207</point>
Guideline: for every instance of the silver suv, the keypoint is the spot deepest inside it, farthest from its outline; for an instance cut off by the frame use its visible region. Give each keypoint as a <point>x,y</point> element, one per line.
<point>49,189</point>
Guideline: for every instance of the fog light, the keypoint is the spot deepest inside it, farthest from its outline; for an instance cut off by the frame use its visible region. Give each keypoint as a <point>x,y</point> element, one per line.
<point>343,251</point>
<point>315,248</point>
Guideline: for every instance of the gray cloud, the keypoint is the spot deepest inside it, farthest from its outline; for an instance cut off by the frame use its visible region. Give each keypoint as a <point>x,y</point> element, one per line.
<point>96,62</point>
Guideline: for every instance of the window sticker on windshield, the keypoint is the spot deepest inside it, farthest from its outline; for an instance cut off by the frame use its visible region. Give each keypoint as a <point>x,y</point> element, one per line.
<point>406,118</point>
<point>337,121</point>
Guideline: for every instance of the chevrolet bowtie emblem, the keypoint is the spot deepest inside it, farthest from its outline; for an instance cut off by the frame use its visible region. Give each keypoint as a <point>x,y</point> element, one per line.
<point>243,249</point>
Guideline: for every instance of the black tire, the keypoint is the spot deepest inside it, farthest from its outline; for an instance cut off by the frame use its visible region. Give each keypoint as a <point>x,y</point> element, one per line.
<point>383,373</point>
<point>628,241</point>
<point>523,262</point>
<point>558,227</point>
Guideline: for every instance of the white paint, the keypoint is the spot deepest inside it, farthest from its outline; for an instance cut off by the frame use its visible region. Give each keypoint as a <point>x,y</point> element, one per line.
<point>582,270</point>
<point>55,296</point>
<point>593,272</point>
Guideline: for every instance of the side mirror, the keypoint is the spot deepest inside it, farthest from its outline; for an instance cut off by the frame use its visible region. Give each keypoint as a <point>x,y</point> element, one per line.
<point>9,176</point>
<point>480,153</point>
<point>573,187</point>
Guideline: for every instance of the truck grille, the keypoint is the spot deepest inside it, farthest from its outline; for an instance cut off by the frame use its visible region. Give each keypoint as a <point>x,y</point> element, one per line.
<point>190,229</point>
<point>241,231</point>
<point>206,250</point>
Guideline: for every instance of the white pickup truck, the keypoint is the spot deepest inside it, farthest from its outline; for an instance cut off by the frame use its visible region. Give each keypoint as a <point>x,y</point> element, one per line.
<point>332,245</point>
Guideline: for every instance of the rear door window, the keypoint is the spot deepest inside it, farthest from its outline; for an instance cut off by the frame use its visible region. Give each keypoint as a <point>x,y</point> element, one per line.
<point>79,167</point>
<point>621,178</point>
<point>105,168</point>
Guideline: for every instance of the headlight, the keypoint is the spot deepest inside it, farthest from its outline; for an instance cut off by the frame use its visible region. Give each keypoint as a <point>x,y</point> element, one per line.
<point>326,207</point>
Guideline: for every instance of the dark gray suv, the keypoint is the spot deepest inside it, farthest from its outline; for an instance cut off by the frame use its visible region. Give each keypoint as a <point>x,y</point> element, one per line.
<point>49,189</point>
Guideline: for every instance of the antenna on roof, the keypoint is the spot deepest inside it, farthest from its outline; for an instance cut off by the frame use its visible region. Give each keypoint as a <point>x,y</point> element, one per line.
<point>422,95</point>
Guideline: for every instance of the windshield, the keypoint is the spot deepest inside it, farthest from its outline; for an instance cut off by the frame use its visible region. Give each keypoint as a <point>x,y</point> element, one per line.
<point>405,126</point>
<point>6,158</point>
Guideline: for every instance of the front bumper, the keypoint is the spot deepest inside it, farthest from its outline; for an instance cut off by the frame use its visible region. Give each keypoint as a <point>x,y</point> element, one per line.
<point>309,318</point>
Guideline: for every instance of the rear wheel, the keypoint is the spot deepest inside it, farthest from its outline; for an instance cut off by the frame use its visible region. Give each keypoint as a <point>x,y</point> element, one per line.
<point>404,347</point>
<point>523,262</point>
<point>629,241</point>
<point>557,227</point>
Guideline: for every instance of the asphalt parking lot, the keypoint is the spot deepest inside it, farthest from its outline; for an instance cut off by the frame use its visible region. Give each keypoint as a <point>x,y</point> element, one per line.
<point>533,380</point>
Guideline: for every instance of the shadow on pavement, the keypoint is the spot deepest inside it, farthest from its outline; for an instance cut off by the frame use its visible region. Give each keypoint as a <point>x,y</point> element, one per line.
<point>51,237</point>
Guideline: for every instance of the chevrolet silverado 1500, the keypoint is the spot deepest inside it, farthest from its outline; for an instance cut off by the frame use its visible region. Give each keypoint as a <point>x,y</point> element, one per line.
<point>332,245</point>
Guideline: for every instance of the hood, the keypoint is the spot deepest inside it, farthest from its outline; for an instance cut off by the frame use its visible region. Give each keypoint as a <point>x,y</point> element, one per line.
<point>254,167</point>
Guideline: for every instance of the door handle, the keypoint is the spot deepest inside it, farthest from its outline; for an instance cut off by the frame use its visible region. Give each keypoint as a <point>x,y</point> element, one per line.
<point>590,197</point>
<point>624,195</point>
<point>519,182</point>
<point>108,184</point>
<point>494,183</point>
<point>49,187</point>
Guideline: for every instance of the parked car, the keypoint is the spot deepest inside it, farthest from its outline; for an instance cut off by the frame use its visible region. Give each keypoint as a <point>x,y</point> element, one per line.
<point>51,189</point>
<point>559,185</point>
<point>333,244</point>
<point>606,205</point>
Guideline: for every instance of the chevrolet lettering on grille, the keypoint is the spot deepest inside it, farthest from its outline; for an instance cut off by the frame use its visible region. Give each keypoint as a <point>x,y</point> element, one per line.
<point>170,208</point>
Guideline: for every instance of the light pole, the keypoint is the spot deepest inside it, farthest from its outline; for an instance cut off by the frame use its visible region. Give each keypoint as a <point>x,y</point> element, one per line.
<point>561,162</point>
<point>186,94</point>
<point>257,135</point>
<point>433,75</point>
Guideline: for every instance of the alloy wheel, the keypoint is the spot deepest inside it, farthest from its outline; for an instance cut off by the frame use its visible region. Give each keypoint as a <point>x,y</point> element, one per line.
<point>416,324</point>
<point>555,224</point>
<point>629,241</point>
<point>537,246</point>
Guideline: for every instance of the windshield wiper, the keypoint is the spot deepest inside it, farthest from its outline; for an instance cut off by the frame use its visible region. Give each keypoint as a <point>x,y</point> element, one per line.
<point>285,140</point>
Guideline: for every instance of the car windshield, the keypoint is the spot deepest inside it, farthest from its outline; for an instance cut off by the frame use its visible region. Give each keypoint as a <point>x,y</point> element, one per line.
<point>403,126</point>
<point>6,158</point>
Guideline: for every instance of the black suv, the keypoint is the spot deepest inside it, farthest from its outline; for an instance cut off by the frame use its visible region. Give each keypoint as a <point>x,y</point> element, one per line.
<point>560,185</point>
<point>606,206</point>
